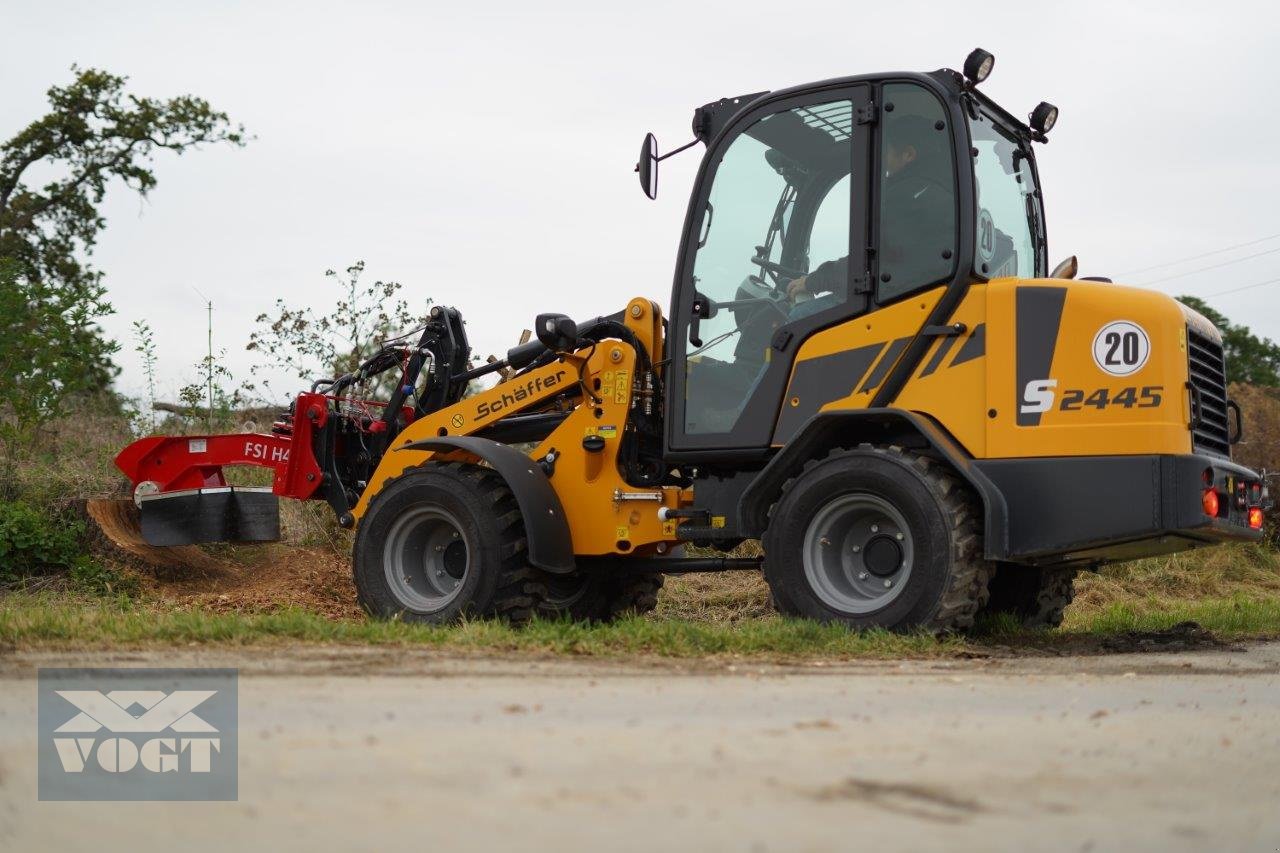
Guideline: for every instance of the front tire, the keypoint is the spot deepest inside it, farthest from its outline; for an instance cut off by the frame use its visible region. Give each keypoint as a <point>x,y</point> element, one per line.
<point>877,537</point>
<point>443,541</point>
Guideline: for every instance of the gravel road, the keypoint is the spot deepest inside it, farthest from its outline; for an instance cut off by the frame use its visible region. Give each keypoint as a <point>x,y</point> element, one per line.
<point>372,748</point>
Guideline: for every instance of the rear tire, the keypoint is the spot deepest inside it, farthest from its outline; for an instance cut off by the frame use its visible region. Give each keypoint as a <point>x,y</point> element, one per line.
<point>599,596</point>
<point>877,537</point>
<point>443,541</point>
<point>1036,597</point>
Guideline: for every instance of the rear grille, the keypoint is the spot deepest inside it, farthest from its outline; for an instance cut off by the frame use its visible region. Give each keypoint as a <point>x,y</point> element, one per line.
<point>1207,370</point>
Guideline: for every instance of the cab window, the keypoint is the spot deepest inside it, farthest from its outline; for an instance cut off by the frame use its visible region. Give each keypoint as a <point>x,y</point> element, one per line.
<point>917,212</point>
<point>1010,232</point>
<point>829,237</point>
<point>778,210</point>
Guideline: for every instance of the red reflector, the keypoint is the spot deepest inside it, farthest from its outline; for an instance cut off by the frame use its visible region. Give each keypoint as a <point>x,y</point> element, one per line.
<point>1255,518</point>
<point>1210,502</point>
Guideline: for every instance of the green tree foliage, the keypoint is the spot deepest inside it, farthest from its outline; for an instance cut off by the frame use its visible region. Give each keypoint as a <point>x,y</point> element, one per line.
<point>314,346</point>
<point>1250,359</point>
<point>44,351</point>
<point>54,174</point>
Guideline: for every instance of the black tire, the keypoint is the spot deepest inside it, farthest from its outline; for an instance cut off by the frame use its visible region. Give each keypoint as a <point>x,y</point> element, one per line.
<point>929,519</point>
<point>599,596</point>
<point>407,561</point>
<point>1037,597</point>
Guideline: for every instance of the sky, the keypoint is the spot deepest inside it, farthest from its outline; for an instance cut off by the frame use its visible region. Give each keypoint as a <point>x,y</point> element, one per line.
<point>482,154</point>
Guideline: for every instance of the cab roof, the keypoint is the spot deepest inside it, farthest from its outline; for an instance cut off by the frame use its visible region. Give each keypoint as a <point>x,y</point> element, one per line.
<point>710,119</point>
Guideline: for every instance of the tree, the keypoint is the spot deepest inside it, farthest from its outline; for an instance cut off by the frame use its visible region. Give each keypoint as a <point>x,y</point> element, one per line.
<point>93,134</point>
<point>1250,359</point>
<point>43,351</point>
<point>313,346</point>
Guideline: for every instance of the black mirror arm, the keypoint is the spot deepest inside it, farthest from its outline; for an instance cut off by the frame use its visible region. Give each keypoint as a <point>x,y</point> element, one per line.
<point>676,151</point>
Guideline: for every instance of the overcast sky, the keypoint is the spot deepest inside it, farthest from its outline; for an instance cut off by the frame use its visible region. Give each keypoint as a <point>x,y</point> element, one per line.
<point>484,158</point>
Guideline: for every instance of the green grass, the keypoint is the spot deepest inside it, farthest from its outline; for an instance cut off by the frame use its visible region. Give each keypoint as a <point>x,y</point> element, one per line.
<point>48,621</point>
<point>38,620</point>
<point>1233,592</point>
<point>1230,618</point>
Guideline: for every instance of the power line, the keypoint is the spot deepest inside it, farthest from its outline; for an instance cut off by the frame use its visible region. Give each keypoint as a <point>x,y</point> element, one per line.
<point>1197,257</point>
<point>1238,289</point>
<point>1211,267</point>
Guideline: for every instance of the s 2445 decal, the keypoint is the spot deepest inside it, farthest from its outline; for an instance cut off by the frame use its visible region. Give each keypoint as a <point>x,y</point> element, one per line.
<point>1041,395</point>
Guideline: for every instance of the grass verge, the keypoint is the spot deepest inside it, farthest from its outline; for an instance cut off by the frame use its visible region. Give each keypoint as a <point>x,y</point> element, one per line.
<point>47,621</point>
<point>1240,617</point>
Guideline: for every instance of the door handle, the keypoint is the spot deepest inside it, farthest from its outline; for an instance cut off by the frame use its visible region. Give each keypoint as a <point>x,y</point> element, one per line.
<point>706,226</point>
<point>700,310</point>
<point>948,331</point>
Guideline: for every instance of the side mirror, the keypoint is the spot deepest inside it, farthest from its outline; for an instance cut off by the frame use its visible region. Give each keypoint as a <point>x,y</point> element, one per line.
<point>557,332</point>
<point>647,166</point>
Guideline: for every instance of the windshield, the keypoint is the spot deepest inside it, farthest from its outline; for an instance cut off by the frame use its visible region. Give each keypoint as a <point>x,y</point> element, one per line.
<point>1010,233</point>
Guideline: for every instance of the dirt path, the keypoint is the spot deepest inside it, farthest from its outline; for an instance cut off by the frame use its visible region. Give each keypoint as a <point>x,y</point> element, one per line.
<point>375,747</point>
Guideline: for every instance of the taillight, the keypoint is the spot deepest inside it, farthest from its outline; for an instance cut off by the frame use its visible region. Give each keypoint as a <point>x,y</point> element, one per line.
<point>1255,518</point>
<point>1210,502</point>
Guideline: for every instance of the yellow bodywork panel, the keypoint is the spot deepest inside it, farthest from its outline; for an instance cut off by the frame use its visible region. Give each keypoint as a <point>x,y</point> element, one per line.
<point>606,515</point>
<point>841,367</point>
<point>950,385</point>
<point>1043,368</point>
<point>1088,408</point>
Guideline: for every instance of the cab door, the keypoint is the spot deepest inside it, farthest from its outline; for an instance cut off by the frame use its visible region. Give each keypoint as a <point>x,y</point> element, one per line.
<point>782,195</point>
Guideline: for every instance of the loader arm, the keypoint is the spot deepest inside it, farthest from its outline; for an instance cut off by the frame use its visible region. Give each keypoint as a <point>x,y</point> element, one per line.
<point>598,389</point>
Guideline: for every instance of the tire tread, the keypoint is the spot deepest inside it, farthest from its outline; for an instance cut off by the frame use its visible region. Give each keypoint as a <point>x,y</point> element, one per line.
<point>966,591</point>
<point>518,591</point>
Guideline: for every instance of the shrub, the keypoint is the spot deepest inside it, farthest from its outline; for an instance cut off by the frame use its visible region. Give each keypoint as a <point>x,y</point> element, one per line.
<point>33,542</point>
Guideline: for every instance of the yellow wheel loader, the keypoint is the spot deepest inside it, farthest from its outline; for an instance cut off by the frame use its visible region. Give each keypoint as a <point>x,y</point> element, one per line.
<point>867,364</point>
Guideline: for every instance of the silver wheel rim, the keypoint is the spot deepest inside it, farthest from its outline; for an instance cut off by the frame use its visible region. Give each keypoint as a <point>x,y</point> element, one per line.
<point>858,553</point>
<point>426,558</point>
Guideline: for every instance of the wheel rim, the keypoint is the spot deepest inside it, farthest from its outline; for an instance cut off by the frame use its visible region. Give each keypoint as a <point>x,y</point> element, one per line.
<point>858,553</point>
<point>426,558</point>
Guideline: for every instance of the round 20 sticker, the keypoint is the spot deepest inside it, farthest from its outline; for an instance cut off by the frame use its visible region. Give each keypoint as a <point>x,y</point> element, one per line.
<point>1121,348</point>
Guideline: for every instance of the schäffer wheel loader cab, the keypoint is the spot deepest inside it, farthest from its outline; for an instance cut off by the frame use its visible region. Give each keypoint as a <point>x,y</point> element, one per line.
<point>867,365</point>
